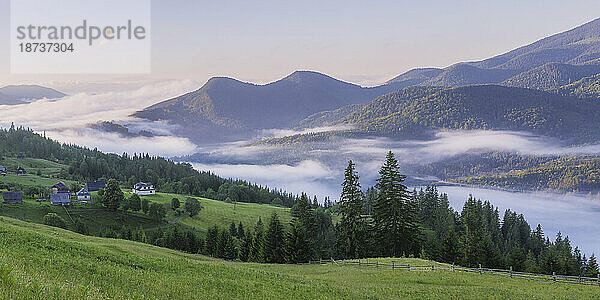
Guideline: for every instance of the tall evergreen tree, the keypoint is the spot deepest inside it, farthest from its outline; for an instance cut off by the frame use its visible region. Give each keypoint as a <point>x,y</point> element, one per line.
<point>352,228</point>
<point>211,241</point>
<point>240,231</point>
<point>257,243</point>
<point>245,246</point>
<point>273,250</point>
<point>395,217</point>
<point>298,243</point>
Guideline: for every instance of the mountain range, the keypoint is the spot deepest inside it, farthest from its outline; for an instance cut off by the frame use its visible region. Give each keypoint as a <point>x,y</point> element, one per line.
<point>23,94</point>
<point>562,65</point>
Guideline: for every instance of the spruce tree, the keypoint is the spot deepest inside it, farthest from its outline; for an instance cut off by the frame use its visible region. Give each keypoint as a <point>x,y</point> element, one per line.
<point>211,241</point>
<point>245,246</point>
<point>257,243</point>
<point>240,231</point>
<point>395,216</point>
<point>592,267</point>
<point>274,243</point>
<point>233,229</point>
<point>298,243</point>
<point>351,228</point>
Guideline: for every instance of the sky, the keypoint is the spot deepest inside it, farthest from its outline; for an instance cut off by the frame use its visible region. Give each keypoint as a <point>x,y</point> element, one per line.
<point>364,42</point>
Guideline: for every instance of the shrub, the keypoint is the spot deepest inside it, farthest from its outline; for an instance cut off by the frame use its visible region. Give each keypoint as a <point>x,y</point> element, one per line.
<point>55,220</point>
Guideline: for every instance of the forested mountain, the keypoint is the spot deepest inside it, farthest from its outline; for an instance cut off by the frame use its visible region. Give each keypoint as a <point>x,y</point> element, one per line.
<point>414,111</point>
<point>21,94</point>
<point>229,104</point>
<point>552,76</point>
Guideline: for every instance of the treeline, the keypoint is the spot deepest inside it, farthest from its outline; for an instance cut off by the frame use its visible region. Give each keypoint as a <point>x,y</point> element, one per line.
<point>167,176</point>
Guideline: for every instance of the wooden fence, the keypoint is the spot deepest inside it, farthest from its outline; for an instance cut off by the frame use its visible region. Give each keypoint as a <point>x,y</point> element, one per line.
<point>483,271</point>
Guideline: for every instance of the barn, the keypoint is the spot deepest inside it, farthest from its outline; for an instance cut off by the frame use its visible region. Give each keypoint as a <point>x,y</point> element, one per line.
<point>60,198</point>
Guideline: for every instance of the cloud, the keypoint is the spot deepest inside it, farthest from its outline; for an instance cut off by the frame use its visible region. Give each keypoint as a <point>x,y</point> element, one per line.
<point>308,176</point>
<point>66,119</point>
<point>111,142</point>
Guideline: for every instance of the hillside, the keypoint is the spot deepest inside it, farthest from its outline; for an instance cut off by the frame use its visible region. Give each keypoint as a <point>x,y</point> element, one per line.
<point>418,111</point>
<point>586,87</point>
<point>229,107</point>
<point>22,94</point>
<point>552,76</point>
<point>59,264</point>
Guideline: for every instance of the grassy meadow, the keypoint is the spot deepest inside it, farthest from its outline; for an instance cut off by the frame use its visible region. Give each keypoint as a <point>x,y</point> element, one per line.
<point>38,261</point>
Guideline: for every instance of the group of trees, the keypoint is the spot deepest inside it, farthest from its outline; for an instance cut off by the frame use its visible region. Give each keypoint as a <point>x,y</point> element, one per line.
<point>477,235</point>
<point>166,175</point>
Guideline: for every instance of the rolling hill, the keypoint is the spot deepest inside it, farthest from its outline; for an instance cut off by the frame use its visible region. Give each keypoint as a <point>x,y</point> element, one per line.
<point>38,261</point>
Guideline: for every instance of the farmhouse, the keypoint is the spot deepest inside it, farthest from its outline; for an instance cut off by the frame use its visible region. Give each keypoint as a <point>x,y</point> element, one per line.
<point>2,171</point>
<point>21,171</point>
<point>94,186</point>
<point>12,197</point>
<point>143,189</point>
<point>83,194</point>
<point>60,198</point>
<point>59,187</point>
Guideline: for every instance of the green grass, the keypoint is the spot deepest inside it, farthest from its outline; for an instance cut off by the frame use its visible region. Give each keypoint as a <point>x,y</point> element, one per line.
<point>33,165</point>
<point>37,261</point>
<point>220,213</point>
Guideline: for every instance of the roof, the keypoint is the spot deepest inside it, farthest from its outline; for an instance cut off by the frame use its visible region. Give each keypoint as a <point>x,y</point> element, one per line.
<point>59,185</point>
<point>93,186</point>
<point>83,192</point>
<point>7,196</point>
<point>141,185</point>
<point>60,197</point>
<point>20,169</point>
<point>2,168</point>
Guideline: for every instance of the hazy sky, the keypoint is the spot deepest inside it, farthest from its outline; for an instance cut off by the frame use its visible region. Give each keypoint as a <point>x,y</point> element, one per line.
<point>359,41</point>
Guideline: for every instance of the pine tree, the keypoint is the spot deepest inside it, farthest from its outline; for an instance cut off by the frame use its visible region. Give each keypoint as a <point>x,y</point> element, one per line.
<point>257,243</point>
<point>245,246</point>
<point>211,241</point>
<point>240,231</point>
<point>394,215</point>
<point>274,243</point>
<point>298,243</point>
<point>233,229</point>
<point>226,246</point>
<point>592,267</point>
<point>352,228</point>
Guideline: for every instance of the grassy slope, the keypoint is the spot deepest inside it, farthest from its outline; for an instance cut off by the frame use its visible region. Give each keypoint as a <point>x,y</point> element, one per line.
<point>53,263</point>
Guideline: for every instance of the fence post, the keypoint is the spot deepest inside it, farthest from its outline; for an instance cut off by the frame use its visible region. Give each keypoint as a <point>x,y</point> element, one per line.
<point>510,271</point>
<point>377,263</point>
<point>598,279</point>
<point>452,267</point>
<point>479,268</point>
<point>393,264</point>
<point>554,276</point>
<point>432,267</point>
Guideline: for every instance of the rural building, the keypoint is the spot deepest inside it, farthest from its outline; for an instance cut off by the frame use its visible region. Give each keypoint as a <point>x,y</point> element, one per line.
<point>143,189</point>
<point>83,194</point>
<point>12,197</point>
<point>60,198</point>
<point>94,186</point>
<point>21,155</point>
<point>59,187</point>
<point>21,171</point>
<point>2,171</point>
